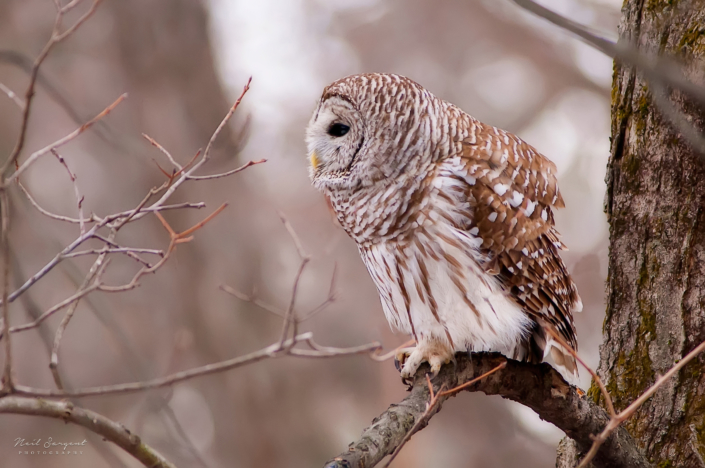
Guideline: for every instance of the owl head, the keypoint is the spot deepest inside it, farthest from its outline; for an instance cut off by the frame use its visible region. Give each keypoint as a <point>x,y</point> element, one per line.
<point>371,129</point>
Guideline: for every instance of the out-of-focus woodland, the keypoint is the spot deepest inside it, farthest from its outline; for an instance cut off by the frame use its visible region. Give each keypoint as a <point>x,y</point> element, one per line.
<point>183,62</point>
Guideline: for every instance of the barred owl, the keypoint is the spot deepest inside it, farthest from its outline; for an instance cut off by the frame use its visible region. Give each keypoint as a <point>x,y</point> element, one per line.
<point>453,219</point>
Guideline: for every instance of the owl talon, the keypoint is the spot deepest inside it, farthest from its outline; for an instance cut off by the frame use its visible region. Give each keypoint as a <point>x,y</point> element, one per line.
<point>429,352</point>
<point>397,364</point>
<point>436,362</point>
<point>411,364</point>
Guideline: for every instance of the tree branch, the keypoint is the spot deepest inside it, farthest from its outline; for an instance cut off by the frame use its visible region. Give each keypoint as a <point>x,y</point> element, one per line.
<point>109,429</point>
<point>539,387</point>
<point>270,352</point>
<point>660,71</point>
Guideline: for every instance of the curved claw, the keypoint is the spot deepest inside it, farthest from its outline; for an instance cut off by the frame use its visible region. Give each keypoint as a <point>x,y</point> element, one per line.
<point>435,356</point>
<point>398,363</point>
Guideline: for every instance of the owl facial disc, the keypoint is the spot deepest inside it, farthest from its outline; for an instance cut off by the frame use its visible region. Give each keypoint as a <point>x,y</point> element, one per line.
<point>334,137</point>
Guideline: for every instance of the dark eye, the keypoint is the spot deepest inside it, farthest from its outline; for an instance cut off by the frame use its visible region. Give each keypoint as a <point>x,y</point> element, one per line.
<point>338,130</point>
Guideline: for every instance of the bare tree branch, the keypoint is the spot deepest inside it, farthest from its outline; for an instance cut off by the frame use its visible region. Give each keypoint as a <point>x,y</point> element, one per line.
<point>52,310</point>
<point>163,150</point>
<point>233,108</point>
<point>538,386</point>
<point>7,379</point>
<point>110,430</point>
<point>93,275</point>
<point>62,141</point>
<point>253,299</point>
<point>56,37</point>
<point>290,318</point>
<point>659,71</point>
<point>677,119</point>
<point>271,351</point>
<point>125,250</point>
<point>227,173</point>
<point>79,197</point>
<point>658,68</point>
<point>12,95</point>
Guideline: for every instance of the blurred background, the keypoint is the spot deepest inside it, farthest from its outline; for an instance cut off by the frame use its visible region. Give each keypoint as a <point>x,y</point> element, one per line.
<point>183,62</point>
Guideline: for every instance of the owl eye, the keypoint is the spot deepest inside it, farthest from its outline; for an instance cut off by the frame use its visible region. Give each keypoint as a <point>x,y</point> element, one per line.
<point>338,130</point>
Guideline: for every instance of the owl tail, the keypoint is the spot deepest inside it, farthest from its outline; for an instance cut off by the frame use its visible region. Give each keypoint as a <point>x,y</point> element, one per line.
<point>540,344</point>
<point>563,360</point>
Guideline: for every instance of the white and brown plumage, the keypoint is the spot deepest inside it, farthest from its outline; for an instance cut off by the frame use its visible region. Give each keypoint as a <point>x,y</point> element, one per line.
<point>453,219</point>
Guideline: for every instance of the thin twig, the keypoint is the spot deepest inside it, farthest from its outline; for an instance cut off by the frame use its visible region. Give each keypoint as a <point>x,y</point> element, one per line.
<point>271,351</point>
<point>130,252</point>
<point>109,218</point>
<point>88,235</point>
<point>326,351</point>
<point>136,210</point>
<point>253,299</point>
<point>55,308</point>
<point>677,119</point>
<point>175,238</point>
<point>297,242</point>
<point>625,414</point>
<point>94,274</point>
<point>383,357</point>
<point>233,108</point>
<point>125,250</point>
<point>659,71</point>
<point>69,6</point>
<point>79,198</point>
<point>654,67</point>
<point>290,319</point>
<point>51,264</point>
<point>194,165</point>
<point>228,173</point>
<point>78,23</point>
<point>154,143</point>
<point>55,38</point>
<point>12,95</point>
<point>455,390</point>
<point>46,212</point>
<point>37,154</point>
<point>290,315</point>
<point>328,301</point>
<point>598,380</point>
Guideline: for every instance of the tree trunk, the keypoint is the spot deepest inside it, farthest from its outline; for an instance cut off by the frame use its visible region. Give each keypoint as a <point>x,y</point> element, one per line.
<point>655,206</point>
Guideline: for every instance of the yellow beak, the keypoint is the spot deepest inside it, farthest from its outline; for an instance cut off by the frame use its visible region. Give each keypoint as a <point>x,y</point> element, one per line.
<point>314,160</point>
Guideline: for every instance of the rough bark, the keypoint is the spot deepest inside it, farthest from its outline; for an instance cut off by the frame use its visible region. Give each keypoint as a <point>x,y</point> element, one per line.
<point>655,206</point>
<point>539,387</point>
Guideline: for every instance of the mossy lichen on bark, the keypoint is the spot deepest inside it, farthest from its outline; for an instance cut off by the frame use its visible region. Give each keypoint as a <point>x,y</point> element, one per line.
<point>656,281</point>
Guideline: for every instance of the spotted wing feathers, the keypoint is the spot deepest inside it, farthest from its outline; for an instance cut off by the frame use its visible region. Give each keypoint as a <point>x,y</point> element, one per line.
<point>512,189</point>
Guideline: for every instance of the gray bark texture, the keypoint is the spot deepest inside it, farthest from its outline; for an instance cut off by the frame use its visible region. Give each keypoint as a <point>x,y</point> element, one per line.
<point>538,386</point>
<point>655,205</point>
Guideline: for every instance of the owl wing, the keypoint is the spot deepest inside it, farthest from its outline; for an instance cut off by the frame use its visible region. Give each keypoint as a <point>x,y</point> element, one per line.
<point>512,189</point>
